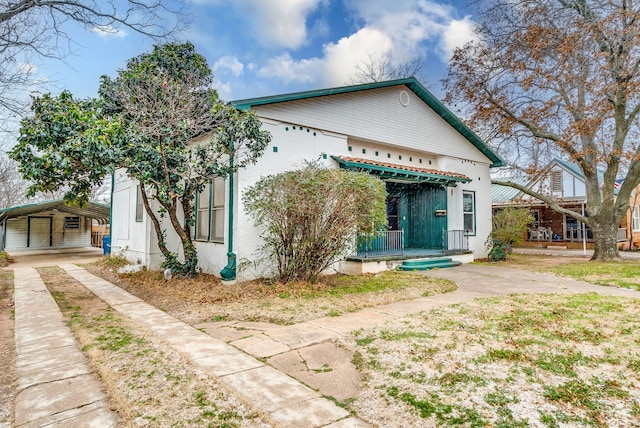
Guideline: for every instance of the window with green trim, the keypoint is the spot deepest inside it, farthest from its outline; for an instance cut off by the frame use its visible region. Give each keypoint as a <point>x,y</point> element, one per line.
<point>210,212</point>
<point>469,211</point>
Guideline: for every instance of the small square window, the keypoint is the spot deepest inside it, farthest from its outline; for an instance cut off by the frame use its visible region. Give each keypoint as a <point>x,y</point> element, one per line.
<point>72,222</point>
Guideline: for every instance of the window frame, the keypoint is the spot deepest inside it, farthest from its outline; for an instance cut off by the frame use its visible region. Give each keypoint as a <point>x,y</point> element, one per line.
<point>212,207</point>
<point>72,223</point>
<point>635,219</point>
<point>139,205</point>
<point>472,213</point>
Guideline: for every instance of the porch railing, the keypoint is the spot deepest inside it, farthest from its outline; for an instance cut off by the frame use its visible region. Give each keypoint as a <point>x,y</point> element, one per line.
<point>576,233</point>
<point>384,243</point>
<point>455,240</point>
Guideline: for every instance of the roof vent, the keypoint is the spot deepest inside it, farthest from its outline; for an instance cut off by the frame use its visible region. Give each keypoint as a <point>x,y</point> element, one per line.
<point>404,98</point>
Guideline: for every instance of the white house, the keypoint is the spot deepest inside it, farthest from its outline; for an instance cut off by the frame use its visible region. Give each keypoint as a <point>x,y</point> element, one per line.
<point>435,167</point>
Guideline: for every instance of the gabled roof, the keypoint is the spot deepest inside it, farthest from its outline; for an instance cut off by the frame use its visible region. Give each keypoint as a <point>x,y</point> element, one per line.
<point>406,173</point>
<point>503,194</point>
<point>94,210</point>
<point>411,83</point>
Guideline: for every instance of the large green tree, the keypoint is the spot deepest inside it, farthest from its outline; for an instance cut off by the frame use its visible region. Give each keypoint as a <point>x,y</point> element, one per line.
<point>160,119</point>
<point>560,78</point>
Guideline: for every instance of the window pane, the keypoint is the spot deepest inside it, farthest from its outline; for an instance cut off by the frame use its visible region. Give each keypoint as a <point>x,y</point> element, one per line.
<point>218,192</point>
<point>203,197</point>
<point>467,202</point>
<point>468,223</point>
<point>468,208</point>
<point>202,225</point>
<point>217,225</point>
<point>139,204</point>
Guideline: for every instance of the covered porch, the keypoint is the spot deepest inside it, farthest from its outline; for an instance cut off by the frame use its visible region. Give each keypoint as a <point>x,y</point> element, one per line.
<point>416,213</point>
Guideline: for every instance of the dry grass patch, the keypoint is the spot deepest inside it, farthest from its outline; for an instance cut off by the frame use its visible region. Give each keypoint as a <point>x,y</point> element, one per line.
<point>518,361</point>
<point>7,349</point>
<point>147,382</point>
<point>207,298</point>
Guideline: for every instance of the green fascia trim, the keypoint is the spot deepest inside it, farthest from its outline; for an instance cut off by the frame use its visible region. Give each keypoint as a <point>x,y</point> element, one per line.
<point>386,172</point>
<point>411,82</point>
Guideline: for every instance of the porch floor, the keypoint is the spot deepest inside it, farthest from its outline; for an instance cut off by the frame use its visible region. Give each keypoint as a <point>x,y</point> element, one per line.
<point>408,253</point>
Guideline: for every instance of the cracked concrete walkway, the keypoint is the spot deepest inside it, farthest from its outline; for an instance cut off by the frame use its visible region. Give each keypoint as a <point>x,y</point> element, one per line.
<point>287,402</point>
<point>55,384</point>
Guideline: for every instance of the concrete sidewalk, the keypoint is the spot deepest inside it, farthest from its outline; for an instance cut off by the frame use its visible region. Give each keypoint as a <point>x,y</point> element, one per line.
<point>55,384</point>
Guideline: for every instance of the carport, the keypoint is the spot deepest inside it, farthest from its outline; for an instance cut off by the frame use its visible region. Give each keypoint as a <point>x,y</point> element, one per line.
<point>50,225</point>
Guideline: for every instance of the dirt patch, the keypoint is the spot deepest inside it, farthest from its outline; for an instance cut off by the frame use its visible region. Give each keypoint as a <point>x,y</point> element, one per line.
<point>7,349</point>
<point>147,382</point>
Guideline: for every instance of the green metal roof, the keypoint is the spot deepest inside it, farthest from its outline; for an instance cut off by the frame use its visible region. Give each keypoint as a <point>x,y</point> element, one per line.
<point>95,210</point>
<point>412,83</point>
<point>503,194</point>
<point>387,171</point>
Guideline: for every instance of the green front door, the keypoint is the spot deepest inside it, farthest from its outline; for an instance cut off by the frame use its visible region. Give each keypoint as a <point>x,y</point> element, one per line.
<point>424,227</point>
<point>412,208</point>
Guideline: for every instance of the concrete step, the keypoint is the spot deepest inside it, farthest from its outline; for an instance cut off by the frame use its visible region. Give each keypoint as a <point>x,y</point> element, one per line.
<point>430,260</point>
<point>436,264</point>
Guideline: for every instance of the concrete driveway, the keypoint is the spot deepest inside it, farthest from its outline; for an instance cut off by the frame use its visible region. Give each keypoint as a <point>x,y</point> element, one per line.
<point>40,258</point>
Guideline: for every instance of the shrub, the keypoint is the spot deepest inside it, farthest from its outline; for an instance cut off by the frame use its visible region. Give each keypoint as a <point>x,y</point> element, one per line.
<point>510,225</point>
<point>498,250</point>
<point>310,217</point>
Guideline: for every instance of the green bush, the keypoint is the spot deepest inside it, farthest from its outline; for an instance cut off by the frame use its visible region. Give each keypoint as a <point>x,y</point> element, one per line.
<point>310,217</point>
<point>498,250</point>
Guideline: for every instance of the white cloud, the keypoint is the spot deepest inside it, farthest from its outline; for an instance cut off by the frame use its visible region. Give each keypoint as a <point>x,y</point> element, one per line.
<point>229,63</point>
<point>338,64</point>
<point>286,68</point>
<point>455,35</point>
<point>395,32</point>
<point>109,31</point>
<point>279,23</point>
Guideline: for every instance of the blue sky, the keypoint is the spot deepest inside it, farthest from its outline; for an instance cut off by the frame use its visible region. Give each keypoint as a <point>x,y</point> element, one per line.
<point>265,47</point>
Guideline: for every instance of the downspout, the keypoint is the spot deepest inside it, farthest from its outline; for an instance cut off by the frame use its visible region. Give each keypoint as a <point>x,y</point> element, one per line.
<point>228,273</point>
<point>113,180</point>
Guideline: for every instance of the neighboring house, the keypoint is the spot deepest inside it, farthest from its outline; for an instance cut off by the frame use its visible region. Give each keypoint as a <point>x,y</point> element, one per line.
<point>565,182</point>
<point>435,167</point>
<point>50,225</point>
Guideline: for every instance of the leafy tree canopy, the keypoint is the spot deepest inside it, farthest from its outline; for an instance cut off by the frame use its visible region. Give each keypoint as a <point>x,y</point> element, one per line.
<point>160,119</point>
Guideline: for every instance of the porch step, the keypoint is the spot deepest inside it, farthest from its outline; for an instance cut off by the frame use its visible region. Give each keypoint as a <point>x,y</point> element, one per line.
<point>426,264</point>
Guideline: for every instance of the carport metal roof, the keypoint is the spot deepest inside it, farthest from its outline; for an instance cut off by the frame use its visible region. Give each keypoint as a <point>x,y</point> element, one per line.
<point>94,210</point>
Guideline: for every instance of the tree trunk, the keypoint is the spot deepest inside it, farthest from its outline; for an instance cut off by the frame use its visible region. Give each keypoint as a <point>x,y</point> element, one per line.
<point>605,238</point>
<point>162,245</point>
<point>190,265</point>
